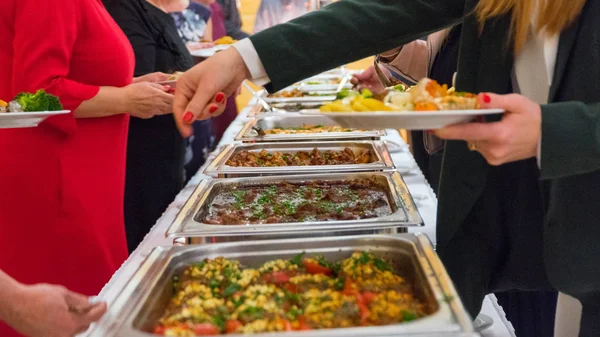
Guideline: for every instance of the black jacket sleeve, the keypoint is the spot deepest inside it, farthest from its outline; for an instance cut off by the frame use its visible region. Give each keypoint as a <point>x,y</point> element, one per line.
<point>346,31</point>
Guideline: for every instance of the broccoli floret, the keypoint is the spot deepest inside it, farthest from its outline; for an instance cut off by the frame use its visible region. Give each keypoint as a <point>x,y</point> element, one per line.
<point>40,101</point>
<point>54,103</point>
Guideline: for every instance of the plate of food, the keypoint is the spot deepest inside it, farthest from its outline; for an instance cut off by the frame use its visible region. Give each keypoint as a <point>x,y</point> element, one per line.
<point>29,110</point>
<point>220,45</point>
<point>425,106</point>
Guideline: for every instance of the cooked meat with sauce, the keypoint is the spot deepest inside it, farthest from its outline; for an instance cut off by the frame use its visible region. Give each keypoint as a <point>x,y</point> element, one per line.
<point>303,293</point>
<point>309,129</point>
<point>265,158</point>
<point>299,202</point>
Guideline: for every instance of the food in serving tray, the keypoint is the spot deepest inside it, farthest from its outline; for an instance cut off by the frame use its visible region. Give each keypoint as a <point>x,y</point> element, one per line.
<point>427,95</point>
<point>265,158</point>
<point>298,106</point>
<point>299,202</point>
<point>27,102</point>
<point>297,93</point>
<point>225,40</point>
<point>220,296</point>
<point>307,129</point>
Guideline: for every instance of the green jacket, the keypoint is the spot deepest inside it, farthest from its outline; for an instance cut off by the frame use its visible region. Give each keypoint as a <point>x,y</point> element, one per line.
<point>570,158</point>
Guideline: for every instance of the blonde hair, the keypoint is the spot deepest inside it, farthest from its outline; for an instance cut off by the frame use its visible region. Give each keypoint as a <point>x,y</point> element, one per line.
<point>553,15</point>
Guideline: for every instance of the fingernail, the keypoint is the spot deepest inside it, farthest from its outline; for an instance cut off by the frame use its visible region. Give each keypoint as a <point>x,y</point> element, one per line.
<point>219,98</point>
<point>167,87</point>
<point>212,109</point>
<point>188,117</point>
<point>486,98</point>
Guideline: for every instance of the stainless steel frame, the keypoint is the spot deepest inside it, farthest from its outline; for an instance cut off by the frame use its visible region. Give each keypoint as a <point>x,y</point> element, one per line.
<point>144,298</point>
<point>187,227</point>
<point>248,135</point>
<point>219,168</point>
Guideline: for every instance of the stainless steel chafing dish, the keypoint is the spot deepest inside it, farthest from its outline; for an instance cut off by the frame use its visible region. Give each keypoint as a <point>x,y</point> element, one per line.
<point>219,168</point>
<point>144,298</point>
<point>248,135</point>
<point>283,109</point>
<point>189,228</point>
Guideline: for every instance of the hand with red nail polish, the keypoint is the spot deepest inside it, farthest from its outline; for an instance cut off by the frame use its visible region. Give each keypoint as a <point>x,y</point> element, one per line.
<point>203,90</point>
<point>515,137</point>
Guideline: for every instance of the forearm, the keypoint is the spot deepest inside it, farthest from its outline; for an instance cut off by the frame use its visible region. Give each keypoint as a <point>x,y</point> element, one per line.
<point>109,101</point>
<point>9,290</point>
<point>354,29</point>
<point>570,139</point>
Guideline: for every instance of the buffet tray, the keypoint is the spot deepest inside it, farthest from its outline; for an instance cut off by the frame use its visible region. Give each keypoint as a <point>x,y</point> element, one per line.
<point>219,168</point>
<point>248,135</point>
<point>186,225</point>
<point>282,109</point>
<point>143,300</point>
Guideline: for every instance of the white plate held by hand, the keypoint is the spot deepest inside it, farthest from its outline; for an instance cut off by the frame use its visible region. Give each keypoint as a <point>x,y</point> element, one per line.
<point>208,52</point>
<point>10,120</point>
<point>408,120</point>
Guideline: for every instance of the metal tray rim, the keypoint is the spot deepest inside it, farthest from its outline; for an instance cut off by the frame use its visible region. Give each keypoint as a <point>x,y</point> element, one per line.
<point>401,196</point>
<point>132,296</point>
<point>217,166</point>
<point>241,136</point>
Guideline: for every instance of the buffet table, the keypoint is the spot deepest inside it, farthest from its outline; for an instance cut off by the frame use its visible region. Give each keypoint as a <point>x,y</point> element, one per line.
<point>423,196</point>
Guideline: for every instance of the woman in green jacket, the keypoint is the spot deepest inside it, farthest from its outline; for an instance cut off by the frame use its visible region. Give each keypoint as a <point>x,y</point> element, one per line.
<point>504,223</point>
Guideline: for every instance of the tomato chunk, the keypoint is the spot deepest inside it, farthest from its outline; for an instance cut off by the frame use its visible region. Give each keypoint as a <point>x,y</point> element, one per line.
<point>160,329</point>
<point>206,329</point>
<point>349,288</point>
<point>233,325</point>
<point>368,297</point>
<point>315,268</point>
<point>277,277</point>
<point>302,325</point>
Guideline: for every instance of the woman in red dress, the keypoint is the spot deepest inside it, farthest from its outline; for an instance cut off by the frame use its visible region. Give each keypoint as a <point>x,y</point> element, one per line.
<point>62,183</point>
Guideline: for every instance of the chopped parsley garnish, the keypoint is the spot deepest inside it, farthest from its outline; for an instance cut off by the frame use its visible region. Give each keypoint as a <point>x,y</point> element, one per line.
<point>231,289</point>
<point>294,313</point>
<point>408,316</point>
<point>297,259</point>
<point>381,264</point>
<point>364,258</point>
<point>219,321</point>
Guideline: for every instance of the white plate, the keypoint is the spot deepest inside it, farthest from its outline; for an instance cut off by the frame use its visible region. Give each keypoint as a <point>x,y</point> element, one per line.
<point>10,120</point>
<point>408,120</point>
<point>208,52</point>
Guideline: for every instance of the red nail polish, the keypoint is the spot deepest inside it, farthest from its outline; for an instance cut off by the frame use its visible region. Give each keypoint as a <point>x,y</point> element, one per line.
<point>212,109</point>
<point>219,98</point>
<point>188,117</point>
<point>486,98</point>
<point>430,132</point>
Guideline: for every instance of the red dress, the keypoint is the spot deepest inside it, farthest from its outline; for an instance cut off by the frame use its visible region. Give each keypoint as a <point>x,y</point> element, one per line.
<point>62,183</point>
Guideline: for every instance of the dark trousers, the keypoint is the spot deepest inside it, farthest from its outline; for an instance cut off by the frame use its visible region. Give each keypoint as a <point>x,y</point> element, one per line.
<point>590,316</point>
<point>499,246</point>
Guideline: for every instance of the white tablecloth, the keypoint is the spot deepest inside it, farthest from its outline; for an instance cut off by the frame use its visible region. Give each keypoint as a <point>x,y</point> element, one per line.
<point>419,188</point>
